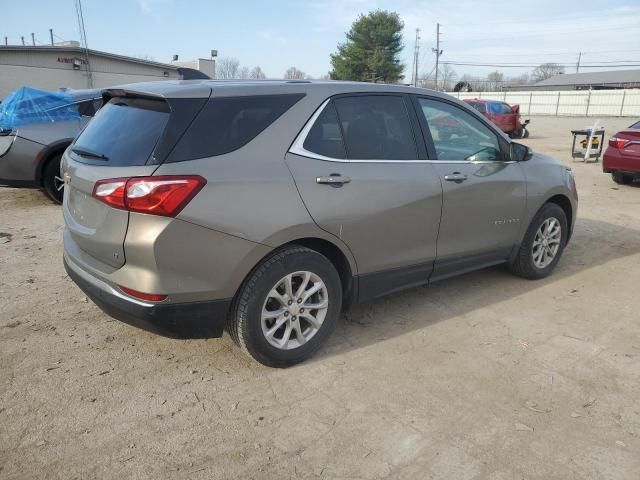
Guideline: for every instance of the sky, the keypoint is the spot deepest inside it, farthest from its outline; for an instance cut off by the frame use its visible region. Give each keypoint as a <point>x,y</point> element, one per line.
<point>278,34</point>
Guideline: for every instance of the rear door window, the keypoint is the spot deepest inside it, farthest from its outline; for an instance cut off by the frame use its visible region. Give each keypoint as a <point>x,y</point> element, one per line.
<point>226,124</point>
<point>123,133</point>
<point>376,127</point>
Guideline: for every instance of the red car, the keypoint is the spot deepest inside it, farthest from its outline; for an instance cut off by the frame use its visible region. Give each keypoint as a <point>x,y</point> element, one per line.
<point>505,116</point>
<point>622,156</point>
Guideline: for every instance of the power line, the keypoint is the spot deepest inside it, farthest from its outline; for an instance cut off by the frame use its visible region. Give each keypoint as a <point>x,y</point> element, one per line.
<point>465,35</point>
<point>546,54</point>
<point>581,16</point>
<point>535,65</point>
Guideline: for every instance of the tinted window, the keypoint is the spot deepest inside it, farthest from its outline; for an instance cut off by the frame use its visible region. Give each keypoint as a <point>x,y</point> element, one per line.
<point>226,124</point>
<point>124,130</point>
<point>458,135</point>
<point>325,137</point>
<point>635,125</point>
<point>376,127</point>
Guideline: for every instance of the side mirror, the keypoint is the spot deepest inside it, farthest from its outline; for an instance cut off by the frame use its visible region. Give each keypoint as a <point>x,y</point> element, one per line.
<point>519,152</point>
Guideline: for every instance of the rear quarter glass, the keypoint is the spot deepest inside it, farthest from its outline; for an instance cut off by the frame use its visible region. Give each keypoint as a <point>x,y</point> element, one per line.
<point>226,124</point>
<point>125,131</point>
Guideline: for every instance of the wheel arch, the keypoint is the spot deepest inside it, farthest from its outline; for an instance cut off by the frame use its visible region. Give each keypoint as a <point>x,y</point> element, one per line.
<point>46,154</point>
<point>339,260</point>
<point>563,202</point>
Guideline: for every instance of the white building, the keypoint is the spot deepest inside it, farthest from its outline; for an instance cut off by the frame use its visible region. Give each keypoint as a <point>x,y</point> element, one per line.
<point>66,66</point>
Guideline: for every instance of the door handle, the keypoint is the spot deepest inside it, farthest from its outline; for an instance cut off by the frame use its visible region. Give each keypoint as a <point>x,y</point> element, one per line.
<point>334,179</point>
<point>455,177</point>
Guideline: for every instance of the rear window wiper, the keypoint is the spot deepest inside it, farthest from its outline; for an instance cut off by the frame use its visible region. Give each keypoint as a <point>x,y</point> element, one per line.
<point>85,152</point>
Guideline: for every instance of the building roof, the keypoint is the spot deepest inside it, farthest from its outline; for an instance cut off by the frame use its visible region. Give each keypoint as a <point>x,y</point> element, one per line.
<point>80,51</point>
<point>613,77</point>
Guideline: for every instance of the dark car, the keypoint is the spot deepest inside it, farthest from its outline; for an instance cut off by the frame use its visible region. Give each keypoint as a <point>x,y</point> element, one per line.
<point>505,116</point>
<point>622,156</point>
<point>35,128</point>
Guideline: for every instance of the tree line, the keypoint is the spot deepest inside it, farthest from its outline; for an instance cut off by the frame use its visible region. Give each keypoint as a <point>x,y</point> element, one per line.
<point>229,68</point>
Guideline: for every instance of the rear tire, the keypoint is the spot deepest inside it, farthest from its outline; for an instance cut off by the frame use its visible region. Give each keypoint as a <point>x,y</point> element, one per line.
<point>542,245</point>
<point>51,180</point>
<point>269,319</point>
<point>621,178</point>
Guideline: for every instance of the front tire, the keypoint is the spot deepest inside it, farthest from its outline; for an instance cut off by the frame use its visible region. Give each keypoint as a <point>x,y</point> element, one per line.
<point>51,180</point>
<point>543,243</point>
<point>287,307</point>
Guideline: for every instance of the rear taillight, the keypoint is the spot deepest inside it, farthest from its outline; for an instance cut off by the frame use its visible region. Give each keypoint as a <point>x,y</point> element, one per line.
<point>163,195</point>
<point>618,142</point>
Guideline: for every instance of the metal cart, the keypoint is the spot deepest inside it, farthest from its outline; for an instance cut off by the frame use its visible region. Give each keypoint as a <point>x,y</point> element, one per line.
<point>579,148</point>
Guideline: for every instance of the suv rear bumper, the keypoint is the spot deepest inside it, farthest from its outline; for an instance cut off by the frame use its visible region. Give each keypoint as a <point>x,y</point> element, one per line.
<point>203,319</point>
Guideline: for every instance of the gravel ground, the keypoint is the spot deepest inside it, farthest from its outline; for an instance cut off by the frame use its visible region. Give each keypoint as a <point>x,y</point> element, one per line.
<point>484,376</point>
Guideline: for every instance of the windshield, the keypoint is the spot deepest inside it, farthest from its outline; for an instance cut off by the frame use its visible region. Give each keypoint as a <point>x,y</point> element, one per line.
<point>123,133</point>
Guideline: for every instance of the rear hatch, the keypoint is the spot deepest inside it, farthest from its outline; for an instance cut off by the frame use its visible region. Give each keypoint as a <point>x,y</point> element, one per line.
<point>121,141</point>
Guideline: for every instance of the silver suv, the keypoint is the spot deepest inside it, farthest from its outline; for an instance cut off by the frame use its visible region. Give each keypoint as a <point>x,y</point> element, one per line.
<point>266,208</point>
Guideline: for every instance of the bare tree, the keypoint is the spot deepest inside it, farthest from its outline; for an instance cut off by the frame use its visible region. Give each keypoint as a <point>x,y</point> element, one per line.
<point>495,80</point>
<point>257,74</point>
<point>293,73</point>
<point>227,68</point>
<point>546,70</point>
<point>448,78</point>
<point>244,73</point>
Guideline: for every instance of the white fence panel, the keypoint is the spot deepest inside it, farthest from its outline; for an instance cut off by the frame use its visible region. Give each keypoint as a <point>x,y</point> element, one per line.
<point>631,105</point>
<point>591,103</point>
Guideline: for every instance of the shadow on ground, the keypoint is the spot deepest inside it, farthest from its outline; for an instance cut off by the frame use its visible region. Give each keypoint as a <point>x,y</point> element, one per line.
<point>594,243</point>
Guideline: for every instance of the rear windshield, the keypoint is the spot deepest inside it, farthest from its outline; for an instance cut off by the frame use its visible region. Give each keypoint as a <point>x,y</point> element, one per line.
<point>478,106</point>
<point>123,133</point>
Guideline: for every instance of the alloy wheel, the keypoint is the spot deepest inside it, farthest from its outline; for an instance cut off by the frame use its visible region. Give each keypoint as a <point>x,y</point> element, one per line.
<point>546,243</point>
<point>294,310</point>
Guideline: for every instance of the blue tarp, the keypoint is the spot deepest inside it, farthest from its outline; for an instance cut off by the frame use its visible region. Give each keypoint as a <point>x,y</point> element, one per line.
<point>29,105</point>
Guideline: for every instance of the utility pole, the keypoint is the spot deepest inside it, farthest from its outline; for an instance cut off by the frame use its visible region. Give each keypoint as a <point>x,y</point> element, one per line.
<point>416,52</point>
<point>437,51</point>
<point>33,39</point>
<point>22,38</point>
<point>6,41</point>
<point>51,35</point>
<point>578,64</point>
<point>83,42</point>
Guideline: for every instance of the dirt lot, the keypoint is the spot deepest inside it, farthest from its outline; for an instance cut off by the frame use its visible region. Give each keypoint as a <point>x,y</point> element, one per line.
<point>486,376</point>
